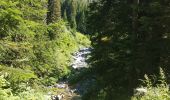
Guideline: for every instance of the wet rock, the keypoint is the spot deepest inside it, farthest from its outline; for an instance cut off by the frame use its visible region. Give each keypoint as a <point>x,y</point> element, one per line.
<point>57,97</point>
<point>140,91</point>
<point>61,86</point>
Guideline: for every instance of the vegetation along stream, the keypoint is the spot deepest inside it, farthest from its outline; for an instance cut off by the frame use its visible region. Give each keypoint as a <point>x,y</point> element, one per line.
<point>84,49</point>
<point>73,92</point>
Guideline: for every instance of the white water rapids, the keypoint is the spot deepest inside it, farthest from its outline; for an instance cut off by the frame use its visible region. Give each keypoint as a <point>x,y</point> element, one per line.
<point>80,58</point>
<point>78,62</point>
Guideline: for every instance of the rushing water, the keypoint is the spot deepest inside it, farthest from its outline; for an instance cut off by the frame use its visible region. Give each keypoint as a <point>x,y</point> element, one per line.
<point>80,58</point>
<point>78,62</point>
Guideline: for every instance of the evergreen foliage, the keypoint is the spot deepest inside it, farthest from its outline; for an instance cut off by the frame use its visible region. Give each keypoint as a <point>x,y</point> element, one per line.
<point>133,38</point>
<point>54,11</point>
<point>130,39</point>
<point>75,12</point>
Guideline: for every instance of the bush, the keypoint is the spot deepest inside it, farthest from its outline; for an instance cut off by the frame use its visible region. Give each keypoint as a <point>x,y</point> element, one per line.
<point>159,91</point>
<point>31,52</point>
<point>24,92</point>
<point>82,40</point>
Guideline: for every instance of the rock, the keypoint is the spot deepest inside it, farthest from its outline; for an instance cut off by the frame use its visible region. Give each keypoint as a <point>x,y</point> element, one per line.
<point>73,90</point>
<point>54,97</point>
<point>60,96</point>
<point>140,91</point>
<point>57,97</point>
<point>144,90</point>
<point>61,85</point>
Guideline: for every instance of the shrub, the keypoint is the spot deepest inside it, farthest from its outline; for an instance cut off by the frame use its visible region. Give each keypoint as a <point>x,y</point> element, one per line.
<point>25,92</point>
<point>159,91</point>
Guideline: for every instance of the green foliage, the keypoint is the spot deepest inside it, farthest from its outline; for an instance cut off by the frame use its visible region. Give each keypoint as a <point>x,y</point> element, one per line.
<point>128,43</point>
<point>32,53</point>
<point>26,92</point>
<point>52,58</point>
<point>15,54</point>
<point>17,23</point>
<point>49,61</point>
<point>82,40</point>
<point>5,93</point>
<point>159,91</point>
<point>16,77</point>
<point>54,11</point>
<point>75,11</point>
<point>9,11</point>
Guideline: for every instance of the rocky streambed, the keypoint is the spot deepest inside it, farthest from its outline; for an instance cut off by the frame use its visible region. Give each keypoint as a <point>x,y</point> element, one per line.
<point>67,91</point>
<point>80,58</point>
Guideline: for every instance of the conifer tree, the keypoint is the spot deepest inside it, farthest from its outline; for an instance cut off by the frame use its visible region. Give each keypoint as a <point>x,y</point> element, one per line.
<point>54,11</point>
<point>81,22</point>
<point>73,14</point>
<point>133,42</point>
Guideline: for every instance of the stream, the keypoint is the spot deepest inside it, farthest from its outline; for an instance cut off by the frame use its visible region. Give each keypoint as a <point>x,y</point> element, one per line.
<point>80,58</point>
<point>68,92</point>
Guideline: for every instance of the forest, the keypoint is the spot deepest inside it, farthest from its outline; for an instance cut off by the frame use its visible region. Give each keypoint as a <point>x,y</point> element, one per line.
<point>84,49</point>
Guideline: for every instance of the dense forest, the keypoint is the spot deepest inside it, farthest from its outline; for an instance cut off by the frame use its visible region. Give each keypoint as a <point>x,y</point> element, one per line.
<point>84,49</point>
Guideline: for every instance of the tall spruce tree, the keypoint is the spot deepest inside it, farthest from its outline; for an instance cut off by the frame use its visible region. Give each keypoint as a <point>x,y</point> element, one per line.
<point>132,37</point>
<point>53,15</point>
<point>81,22</point>
<point>54,11</point>
<point>73,14</point>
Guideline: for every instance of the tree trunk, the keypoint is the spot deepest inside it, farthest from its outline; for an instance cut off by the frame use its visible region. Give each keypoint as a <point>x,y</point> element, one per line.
<point>133,73</point>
